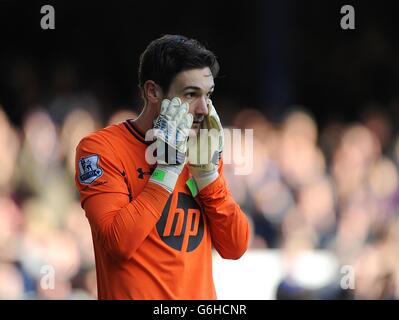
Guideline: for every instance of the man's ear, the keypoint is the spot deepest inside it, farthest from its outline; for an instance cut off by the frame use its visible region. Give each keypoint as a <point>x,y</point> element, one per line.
<point>152,92</point>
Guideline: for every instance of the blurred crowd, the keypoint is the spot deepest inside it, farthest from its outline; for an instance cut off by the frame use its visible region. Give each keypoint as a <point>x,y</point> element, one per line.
<point>334,188</point>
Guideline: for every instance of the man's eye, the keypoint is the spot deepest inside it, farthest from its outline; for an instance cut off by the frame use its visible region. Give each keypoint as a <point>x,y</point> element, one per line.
<point>190,94</point>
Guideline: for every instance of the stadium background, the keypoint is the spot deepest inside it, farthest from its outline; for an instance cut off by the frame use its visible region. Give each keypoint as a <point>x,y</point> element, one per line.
<point>323,103</point>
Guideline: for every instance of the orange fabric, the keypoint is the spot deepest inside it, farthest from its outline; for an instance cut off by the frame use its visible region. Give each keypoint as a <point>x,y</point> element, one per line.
<point>150,244</point>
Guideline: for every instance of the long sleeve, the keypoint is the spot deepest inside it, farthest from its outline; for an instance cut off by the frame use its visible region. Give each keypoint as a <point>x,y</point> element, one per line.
<point>119,225</point>
<point>228,223</point>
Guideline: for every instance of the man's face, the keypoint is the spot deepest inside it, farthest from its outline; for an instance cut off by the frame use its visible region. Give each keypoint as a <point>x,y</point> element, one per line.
<point>194,87</point>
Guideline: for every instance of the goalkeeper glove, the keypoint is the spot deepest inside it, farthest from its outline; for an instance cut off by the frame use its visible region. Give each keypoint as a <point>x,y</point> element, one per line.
<point>172,127</point>
<point>205,149</point>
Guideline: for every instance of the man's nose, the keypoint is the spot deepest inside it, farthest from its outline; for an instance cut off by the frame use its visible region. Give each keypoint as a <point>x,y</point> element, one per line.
<point>202,106</point>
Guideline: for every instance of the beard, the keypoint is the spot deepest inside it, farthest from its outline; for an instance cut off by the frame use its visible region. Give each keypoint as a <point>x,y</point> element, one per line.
<point>197,124</point>
<point>195,129</point>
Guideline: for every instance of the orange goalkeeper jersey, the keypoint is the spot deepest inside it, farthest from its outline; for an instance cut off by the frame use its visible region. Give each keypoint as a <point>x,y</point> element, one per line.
<point>150,244</point>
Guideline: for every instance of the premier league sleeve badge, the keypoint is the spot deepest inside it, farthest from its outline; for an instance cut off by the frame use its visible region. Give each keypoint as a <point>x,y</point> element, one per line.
<point>89,170</point>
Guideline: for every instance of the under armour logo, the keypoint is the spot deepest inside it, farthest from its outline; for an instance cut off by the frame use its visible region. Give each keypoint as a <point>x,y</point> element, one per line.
<point>142,173</point>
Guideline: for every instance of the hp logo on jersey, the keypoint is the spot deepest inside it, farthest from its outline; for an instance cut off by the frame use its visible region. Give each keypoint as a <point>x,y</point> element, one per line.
<point>183,227</point>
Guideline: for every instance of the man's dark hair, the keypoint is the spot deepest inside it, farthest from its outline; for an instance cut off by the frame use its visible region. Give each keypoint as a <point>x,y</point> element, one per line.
<point>165,57</point>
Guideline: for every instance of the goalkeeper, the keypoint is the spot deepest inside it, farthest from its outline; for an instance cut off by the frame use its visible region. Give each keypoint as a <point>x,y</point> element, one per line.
<point>154,224</point>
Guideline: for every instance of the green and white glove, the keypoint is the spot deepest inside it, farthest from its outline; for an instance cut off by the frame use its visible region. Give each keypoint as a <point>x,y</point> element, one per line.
<point>204,150</point>
<point>172,128</point>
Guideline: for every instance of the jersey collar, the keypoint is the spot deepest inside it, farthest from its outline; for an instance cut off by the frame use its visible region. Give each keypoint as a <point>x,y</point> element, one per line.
<point>130,126</point>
